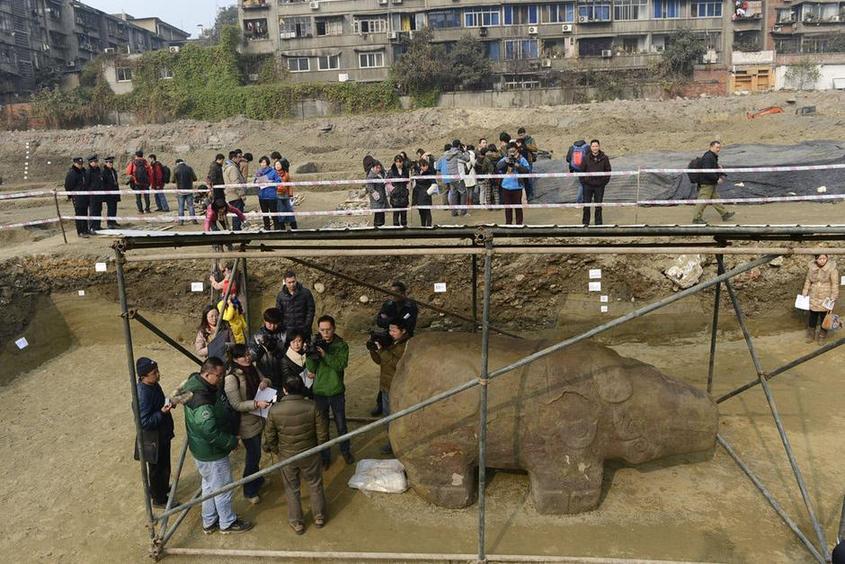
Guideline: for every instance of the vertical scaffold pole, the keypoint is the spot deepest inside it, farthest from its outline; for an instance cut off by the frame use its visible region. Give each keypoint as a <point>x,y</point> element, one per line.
<point>711,366</point>
<point>246,301</point>
<point>482,435</point>
<point>474,284</point>
<point>136,411</point>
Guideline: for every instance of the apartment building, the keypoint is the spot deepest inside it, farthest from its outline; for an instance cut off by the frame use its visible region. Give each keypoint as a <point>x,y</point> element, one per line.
<point>807,27</point>
<point>44,41</point>
<point>527,41</point>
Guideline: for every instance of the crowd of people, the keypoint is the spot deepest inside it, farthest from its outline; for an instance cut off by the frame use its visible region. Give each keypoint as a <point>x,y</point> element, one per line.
<point>223,407</point>
<point>458,175</point>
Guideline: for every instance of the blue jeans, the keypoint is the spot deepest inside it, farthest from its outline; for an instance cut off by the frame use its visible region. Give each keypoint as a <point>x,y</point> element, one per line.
<point>185,200</point>
<point>236,221</point>
<point>253,458</point>
<point>161,201</point>
<point>338,406</point>
<point>216,474</point>
<point>579,199</point>
<point>284,205</point>
<point>457,196</point>
<point>385,403</point>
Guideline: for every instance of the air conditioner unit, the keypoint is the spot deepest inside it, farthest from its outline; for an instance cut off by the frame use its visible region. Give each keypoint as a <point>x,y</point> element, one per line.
<point>287,34</point>
<point>108,50</point>
<point>566,28</point>
<point>482,31</point>
<point>606,53</point>
<point>410,35</point>
<point>532,30</point>
<point>382,2</point>
<point>397,1</point>
<point>173,48</point>
<point>71,64</point>
<point>253,77</point>
<point>315,5</point>
<point>547,63</point>
<point>583,19</point>
<point>393,36</point>
<point>343,77</point>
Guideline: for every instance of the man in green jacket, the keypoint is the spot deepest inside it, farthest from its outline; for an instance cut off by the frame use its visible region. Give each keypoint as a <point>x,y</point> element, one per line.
<point>326,368</point>
<point>210,445</point>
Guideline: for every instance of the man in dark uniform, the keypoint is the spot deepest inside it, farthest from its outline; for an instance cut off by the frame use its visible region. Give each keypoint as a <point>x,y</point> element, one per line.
<point>75,182</point>
<point>94,183</point>
<point>110,184</point>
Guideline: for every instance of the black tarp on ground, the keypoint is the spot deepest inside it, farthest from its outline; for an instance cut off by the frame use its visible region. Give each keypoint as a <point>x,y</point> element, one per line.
<point>678,187</point>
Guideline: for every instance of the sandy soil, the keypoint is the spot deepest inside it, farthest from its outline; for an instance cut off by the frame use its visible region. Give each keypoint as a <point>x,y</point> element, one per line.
<point>79,499</point>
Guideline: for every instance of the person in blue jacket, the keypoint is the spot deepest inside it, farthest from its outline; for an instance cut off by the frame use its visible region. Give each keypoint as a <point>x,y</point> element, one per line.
<point>267,194</point>
<point>157,429</point>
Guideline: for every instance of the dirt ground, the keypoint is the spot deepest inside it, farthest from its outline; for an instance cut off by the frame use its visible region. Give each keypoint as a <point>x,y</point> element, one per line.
<point>73,487</point>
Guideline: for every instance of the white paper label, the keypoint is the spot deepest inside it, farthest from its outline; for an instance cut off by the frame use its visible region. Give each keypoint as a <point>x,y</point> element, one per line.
<point>439,287</point>
<point>604,309</point>
<point>22,343</point>
<point>595,286</point>
<point>81,293</point>
<point>100,267</point>
<point>197,287</point>
<point>842,281</point>
<point>595,274</point>
<point>603,299</point>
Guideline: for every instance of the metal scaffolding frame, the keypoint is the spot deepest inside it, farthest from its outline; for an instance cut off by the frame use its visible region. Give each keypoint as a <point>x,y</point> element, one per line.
<point>484,241</point>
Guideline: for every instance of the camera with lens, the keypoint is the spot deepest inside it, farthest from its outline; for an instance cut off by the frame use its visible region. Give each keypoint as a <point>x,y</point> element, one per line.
<point>379,338</point>
<point>269,342</point>
<point>311,349</point>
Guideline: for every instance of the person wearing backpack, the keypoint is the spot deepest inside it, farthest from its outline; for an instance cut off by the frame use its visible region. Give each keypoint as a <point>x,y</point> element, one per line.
<point>140,175</point>
<point>241,385</point>
<point>707,182</point>
<point>157,182</point>
<point>576,156</point>
<point>594,186</point>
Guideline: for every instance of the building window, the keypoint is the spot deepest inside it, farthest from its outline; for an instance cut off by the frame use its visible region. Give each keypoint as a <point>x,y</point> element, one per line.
<point>594,11</point>
<point>522,15</point>
<point>291,28</point>
<point>124,74</point>
<point>594,46</point>
<point>369,25</point>
<point>492,49</point>
<point>630,10</point>
<point>328,26</point>
<point>328,62</point>
<point>706,9</point>
<point>786,15</point>
<point>667,9</point>
<point>371,60</point>
<point>256,29</point>
<point>559,13</point>
<point>443,19</point>
<point>483,17</point>
<point>521,49</point>
<point>298,64</point>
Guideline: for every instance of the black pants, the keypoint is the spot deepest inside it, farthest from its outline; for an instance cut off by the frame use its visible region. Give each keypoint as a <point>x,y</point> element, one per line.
<point>512,197</point>
<point>816,317</point>
<point>80,208</point>
<point>400,218</point>
<point>378,219</point>
<point>96,210</point>
<point>592,194</point>
<point>269,206</point>
<point>146,205</point>
<point>159,473</point>
<point>111,211</point>
<point>425,218</point>
<point>338,406</point>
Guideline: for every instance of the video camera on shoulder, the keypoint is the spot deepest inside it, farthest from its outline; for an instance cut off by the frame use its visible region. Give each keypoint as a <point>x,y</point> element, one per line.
<point>379,338</point>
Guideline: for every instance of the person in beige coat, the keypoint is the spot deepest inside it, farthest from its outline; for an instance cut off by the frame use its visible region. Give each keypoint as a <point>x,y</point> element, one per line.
<point>241,385</point>
<point>822,286</point>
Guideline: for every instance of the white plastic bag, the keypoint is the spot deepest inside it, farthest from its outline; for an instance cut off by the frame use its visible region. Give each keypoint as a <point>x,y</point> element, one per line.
<point>385,476</point>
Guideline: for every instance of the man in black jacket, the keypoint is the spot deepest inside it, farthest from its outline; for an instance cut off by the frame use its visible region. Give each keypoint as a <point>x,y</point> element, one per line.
<point>94,183</point>
<point>268,347</point>
<point>708,182</point>
<point>215,178</point>
<point>594,186</point>
<point>111,184</point>
<point>184,176</point>
<point>296,304</point>
<point>75,182</point>
<point>157,429</point>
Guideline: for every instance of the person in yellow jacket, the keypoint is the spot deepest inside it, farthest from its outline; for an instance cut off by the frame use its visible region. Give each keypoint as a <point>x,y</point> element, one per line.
<point>234,316</point>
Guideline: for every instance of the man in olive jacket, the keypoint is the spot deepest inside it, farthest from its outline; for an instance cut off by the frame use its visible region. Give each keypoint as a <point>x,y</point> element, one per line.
<point>295,425</point>
<point>210,445</point>
<point>327,369</point>
<point>388,358</point>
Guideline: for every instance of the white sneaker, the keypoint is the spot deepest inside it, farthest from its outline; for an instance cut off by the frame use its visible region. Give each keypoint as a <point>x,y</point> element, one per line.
<point>254,500</point>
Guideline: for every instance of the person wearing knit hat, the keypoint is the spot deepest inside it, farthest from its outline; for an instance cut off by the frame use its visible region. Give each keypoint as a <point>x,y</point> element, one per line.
<point>156,429</point>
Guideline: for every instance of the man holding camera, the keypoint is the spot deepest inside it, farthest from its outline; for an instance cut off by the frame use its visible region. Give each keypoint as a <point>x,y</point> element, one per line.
<point>268,347</point>
<point>327,359</point>
<point>512,164</point>
<point>401,308</point>
<point>387,357</point>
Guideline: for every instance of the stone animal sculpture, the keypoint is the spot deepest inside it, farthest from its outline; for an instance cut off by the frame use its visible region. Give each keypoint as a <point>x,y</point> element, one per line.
<point>558,418</point>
